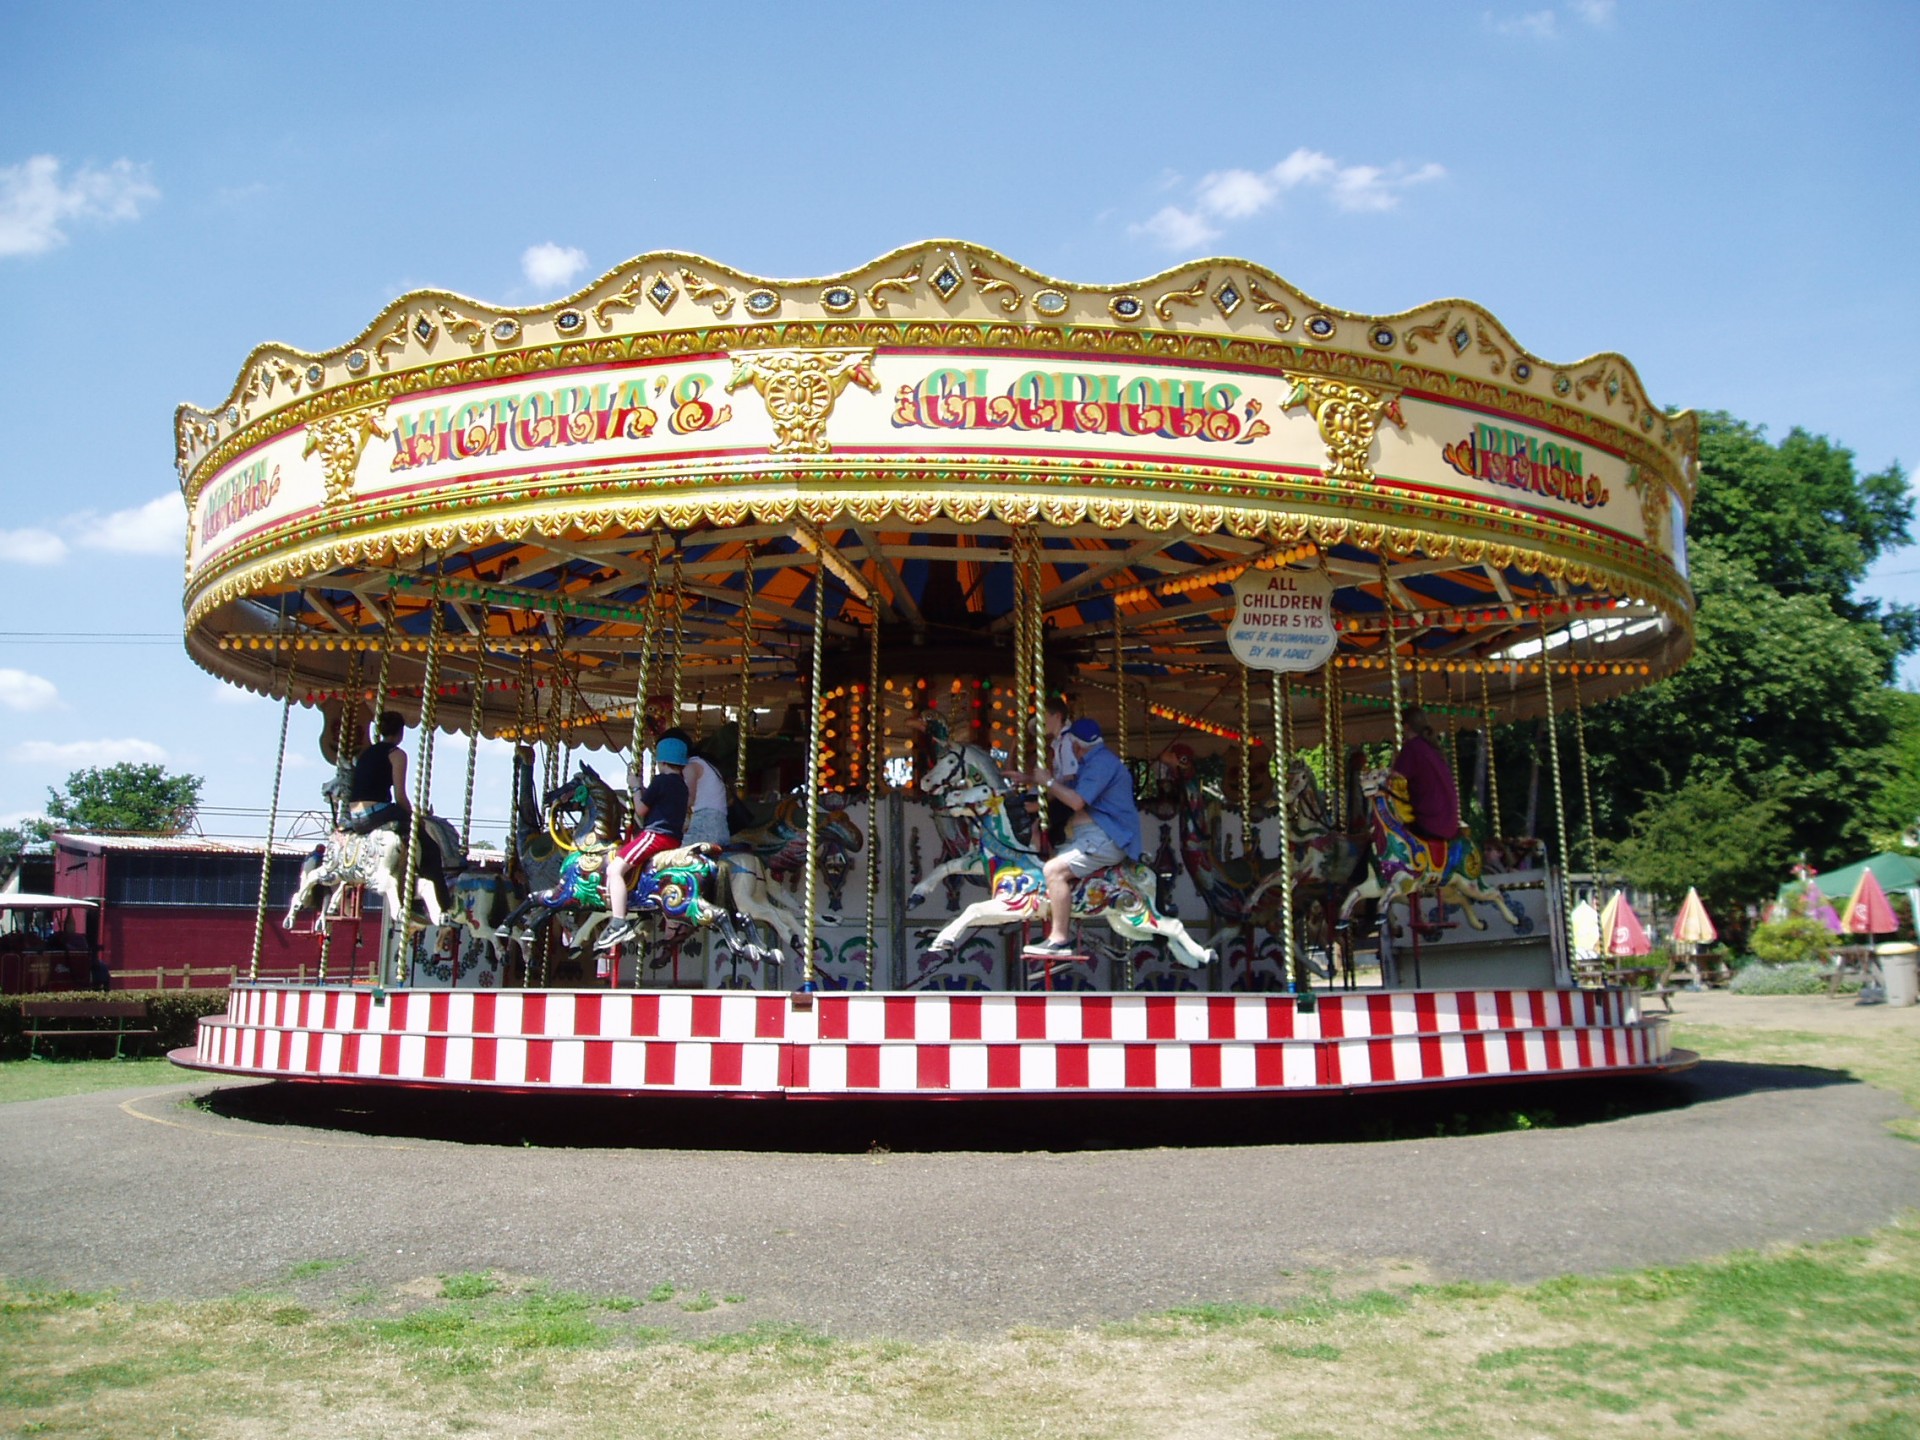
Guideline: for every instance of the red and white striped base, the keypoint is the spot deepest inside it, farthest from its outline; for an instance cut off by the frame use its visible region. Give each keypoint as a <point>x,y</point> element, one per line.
<point>878,1045</point>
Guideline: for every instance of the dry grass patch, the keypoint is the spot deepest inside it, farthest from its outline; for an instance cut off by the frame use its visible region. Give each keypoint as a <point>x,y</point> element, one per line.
<point>1814,1341</point>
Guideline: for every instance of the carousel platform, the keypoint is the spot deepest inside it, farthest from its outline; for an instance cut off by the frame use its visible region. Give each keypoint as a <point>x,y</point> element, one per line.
<point>879,1045</point>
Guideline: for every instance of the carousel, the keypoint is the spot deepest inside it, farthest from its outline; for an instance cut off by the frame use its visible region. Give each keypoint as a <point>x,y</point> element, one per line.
<point>854,538</point>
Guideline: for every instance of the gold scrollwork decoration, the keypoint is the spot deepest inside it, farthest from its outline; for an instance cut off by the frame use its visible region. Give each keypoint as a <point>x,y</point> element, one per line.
<point>341,439</point>
<point>1589,381</point>
<point>1192,295</point>
<point>903,283</point>
<point>1487,347</point>
<point>800,387</point>
<point>703,292</point>
<point>395,339</point>
<point>988,284</point>
<point>626,297</point>
<point>1269,304</point>
<point>1348,417</point>
<point>1429,333</point>
<point>464,328</point>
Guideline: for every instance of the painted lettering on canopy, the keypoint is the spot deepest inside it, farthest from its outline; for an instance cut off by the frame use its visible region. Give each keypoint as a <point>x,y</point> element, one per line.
<point>1518,460</point>
<point>547,419</point>
<point>243,493</point>
<point>1067,401</point>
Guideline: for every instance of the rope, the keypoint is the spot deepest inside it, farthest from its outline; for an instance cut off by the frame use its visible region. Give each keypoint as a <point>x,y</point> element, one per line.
<point>679,629</point>
<point>1017,717</point>
<point>648,613</point>
<point>813,770</point>
<point>1282,762</point>
<point>1586,776</point>
<point>1249,837</point>
<point>746,675</point>
<point>874,781</point>
<point>423,784</point>
<point>1393,661</point>
<point>1037,634</point>
<point>273,810</point>
<point>1559,796</point>
<point>349,720</point>
<point>1493,770</point>
<point>473,755</point>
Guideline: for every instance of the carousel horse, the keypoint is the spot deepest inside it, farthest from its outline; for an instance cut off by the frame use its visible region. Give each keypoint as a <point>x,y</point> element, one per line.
<point>371,860</point>
<point>1121,895</point>
<point>1404,864</point>
<point>1227,884</point>
<point>962,766</point>
<point>688,888</point>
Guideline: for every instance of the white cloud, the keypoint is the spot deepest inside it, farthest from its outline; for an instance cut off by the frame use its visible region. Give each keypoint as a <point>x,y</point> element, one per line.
<point>1598,13</point>
<point>1172,228</point>
<point>1227,195</point>
<point>158,527</point>
<point>552,267</point>
<point>31,547</point>
<point>22,691</point>
<point>36,202</point>
<point>86,752</point>
<point>1534,25</point>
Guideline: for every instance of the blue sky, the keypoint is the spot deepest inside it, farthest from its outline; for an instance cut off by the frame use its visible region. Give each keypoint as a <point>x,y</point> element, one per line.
<point>1724,192</point>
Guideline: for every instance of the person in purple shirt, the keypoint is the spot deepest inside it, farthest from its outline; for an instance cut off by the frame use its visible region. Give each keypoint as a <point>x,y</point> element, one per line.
<point>1429,776</point>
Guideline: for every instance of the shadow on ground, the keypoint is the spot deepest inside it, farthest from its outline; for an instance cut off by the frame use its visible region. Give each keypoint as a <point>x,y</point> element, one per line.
<point>1094,1123</point>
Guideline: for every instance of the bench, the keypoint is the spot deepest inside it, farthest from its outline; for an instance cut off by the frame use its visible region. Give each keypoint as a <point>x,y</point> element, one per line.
<point>83,1018</point>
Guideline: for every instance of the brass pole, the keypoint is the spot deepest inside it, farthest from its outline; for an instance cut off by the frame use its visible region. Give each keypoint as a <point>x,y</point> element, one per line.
<point>273,809</point>
<point>813,769</point>
<point>875,758</point>
<point>423,783</point>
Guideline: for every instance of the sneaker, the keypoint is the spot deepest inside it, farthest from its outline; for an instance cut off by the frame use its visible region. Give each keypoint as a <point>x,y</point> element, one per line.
<point>1047,949</point>
<point>616,931</point>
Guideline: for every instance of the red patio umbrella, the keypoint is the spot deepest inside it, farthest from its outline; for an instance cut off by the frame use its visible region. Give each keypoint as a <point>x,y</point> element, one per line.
<point>1621,932</point>
<point>1868,912</point>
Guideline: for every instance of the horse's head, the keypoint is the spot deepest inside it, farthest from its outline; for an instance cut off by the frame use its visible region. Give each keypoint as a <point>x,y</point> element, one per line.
<point>838,829</point>
<point>1178,764</point>
<point>593,804</point>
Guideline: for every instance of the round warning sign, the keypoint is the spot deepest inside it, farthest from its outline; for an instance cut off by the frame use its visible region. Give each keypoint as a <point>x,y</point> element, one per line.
<point>1282,620</point>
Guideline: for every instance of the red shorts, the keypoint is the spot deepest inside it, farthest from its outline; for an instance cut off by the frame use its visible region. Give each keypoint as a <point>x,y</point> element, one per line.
<point>646,844</point>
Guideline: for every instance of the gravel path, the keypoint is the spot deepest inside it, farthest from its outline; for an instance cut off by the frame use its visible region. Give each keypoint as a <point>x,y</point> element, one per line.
<point>789,1213</point>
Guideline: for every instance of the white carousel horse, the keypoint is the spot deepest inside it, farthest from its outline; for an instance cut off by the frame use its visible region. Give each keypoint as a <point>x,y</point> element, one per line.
<point>1121,895</point>
<point>369,860</point>
<point>963,766</point>
<point>1404,864</point>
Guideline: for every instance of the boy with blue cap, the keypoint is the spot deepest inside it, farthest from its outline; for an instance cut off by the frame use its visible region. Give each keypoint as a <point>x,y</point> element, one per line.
<point>1104,829</point>
<point>661,811</point>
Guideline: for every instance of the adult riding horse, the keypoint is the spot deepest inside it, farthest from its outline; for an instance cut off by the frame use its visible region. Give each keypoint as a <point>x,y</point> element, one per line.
<point>1404,864</point>
<point>966,778</point>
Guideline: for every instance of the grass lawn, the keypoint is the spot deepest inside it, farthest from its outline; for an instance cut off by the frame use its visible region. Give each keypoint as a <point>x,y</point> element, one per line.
<point>1811,1341</point>
<point>40,1079</point>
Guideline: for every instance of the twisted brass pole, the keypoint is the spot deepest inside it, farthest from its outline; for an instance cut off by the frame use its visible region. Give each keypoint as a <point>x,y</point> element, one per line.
<point>813,770</point>
<point>273,808</point>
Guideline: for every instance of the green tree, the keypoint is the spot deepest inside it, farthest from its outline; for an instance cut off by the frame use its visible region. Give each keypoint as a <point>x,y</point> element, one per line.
<point>1783,698</point>
<point>1898,805</point>
<point>1711,834</point>
<point>126,796</point>
<point>1800,516</point>
<point>15,838</point>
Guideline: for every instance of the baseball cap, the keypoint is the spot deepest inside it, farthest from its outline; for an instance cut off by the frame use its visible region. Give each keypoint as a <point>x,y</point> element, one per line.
<point>670,751</point>
<point>1086,730</point>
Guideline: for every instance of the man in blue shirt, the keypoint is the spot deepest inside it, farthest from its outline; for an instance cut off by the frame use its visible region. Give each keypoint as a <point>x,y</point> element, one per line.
<point>1104,829</point>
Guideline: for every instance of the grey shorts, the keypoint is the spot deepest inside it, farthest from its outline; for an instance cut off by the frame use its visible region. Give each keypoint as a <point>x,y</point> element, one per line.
<point>1089,848</point>
<point>706,827</point>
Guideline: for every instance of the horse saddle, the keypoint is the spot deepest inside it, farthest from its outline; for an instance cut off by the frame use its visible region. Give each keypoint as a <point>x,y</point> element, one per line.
<point>680,857</point>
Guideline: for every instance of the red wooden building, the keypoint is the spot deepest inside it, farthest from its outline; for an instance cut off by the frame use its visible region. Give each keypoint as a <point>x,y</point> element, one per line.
<point>178,911</point>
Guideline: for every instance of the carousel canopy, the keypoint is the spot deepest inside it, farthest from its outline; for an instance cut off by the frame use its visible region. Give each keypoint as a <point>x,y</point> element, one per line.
<point>699,473</point>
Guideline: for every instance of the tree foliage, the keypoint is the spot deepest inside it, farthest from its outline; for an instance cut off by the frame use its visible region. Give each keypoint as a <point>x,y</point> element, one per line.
<point>1711,834</point>
<point>1799,515</point>
<point>142,798</point>
<point>1785,705</point>
<point>16,838</point>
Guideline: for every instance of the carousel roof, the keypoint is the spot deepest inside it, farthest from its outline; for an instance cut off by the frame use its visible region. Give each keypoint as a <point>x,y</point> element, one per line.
<point>672,460</point>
